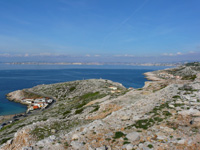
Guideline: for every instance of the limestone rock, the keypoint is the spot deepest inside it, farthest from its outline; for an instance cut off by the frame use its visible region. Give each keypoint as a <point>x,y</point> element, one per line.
<point>197,121</point>
<point>53,131</point>
<point>77,145</point>
<point>101,148</point>
<point>124,118</point>
<point>181,141</point>
<point>27,148</point>
<point>191,111</point>
<point>75,137</point>
<point>167,129</point>
<point>129,147</point>
<point>52,137</point>
<point>133,136</point>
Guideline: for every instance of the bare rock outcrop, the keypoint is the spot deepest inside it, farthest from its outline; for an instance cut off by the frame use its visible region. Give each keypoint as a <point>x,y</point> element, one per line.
<point>21,139</point>
<point>16,95</point>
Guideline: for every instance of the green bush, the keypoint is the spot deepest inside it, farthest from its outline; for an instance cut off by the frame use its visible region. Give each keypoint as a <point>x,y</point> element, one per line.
<point>118,135</point>
<point>78,111</point>
<point>66,112</point>
<point>72,88</point>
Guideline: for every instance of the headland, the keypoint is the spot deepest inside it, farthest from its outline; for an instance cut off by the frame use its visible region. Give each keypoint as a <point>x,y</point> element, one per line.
<point>101,114</point>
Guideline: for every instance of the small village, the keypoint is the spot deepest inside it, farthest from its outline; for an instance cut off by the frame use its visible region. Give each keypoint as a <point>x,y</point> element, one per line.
<point>33,104</point>
<point>164,75</point>
<point>114,90</point>
<point>38,103</point>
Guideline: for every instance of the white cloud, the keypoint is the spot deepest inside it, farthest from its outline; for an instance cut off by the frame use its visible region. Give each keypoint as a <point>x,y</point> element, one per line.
<point>172,54</point>
<point>125,55</point>
<point>191,52</point>
<point>87,55</point>
<point>17,55</point>
<point>47,54</point>
<point>168,54</point>
<point>97,55</point>
<point>26,55</point>
<point>32,55</point>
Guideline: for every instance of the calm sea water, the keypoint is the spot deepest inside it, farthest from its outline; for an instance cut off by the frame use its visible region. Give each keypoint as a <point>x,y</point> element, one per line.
<point>16,77</point>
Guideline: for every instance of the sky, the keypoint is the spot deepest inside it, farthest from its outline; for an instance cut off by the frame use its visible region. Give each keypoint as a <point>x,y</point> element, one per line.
<point>100,30</point>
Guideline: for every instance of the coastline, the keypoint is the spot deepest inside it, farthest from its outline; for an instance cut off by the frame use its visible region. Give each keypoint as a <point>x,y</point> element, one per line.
<point>18,95</point>
<point>152,77</point>
<point>5,117</point>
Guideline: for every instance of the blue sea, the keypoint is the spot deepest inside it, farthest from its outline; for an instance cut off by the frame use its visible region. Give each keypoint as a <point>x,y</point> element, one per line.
<point>16,77</point>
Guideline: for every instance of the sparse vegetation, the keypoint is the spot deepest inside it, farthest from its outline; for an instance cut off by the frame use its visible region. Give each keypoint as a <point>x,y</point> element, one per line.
<point>193,64</point>
<point>158,116</point>
<point>66,144</point>
<point>96,108</point>
<point>72,88</point>
<point>108,139</point>
<point>166,113</point>
<point>119,134</point>
<point>66,112</point>
<point>11,125</point>
<point>41,132</point>
<point>176,96</point>
<point>126,142</point>
<point>66,107</point>
<point>4,140</point>
<point>150,146</point>
<point>78,111</point>
<point>191,77</point>
<point>30,94</point>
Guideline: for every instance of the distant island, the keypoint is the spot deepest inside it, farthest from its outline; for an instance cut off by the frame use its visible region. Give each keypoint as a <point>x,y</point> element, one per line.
<point>95,63</point>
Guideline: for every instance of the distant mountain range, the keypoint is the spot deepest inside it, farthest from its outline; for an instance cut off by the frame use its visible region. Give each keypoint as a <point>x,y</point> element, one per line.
<point>96,63</point>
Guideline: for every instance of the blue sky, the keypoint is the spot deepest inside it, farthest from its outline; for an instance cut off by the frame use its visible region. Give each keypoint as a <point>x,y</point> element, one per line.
<point>100,28</point>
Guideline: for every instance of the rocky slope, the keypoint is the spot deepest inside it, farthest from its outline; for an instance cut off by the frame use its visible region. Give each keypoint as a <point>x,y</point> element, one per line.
<point>90,115</point>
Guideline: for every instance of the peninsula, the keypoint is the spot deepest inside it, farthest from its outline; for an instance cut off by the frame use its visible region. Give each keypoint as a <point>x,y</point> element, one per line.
<point>99,114</point>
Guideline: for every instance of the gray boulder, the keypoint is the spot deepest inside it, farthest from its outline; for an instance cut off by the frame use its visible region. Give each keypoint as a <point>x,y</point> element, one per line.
<point>133,136</point>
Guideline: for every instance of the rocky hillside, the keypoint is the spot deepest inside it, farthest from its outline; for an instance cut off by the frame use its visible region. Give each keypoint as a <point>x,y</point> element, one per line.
<point>92,115</point>
<point>67,112</point>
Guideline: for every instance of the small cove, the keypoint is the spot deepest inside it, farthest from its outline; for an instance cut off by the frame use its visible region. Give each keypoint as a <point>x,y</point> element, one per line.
<point>17,77</point>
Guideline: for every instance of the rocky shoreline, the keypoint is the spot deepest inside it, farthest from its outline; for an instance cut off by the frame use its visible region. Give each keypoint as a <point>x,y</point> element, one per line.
<point>91,115</point>
<point>17,99</point>
<point>5,118</point>
<point>18,95</point>
<point>152,77</point>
